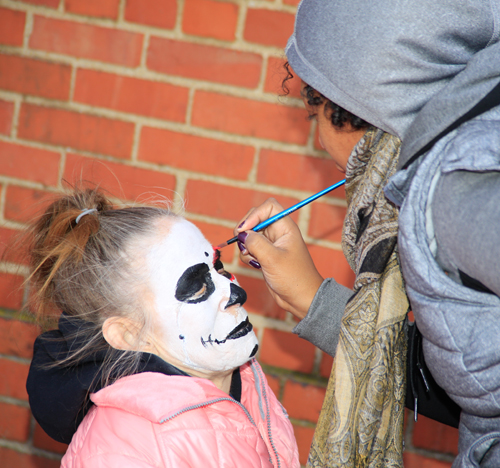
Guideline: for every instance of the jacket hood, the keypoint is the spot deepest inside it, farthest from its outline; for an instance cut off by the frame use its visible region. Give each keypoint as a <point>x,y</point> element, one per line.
<point>59,396</point>
<point>412,69</point>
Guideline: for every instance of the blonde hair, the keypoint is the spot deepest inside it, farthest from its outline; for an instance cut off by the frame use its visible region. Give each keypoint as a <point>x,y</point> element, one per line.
<point>84,269</point>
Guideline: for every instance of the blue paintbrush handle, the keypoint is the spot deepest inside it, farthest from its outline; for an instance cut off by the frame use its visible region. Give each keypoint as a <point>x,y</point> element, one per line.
<point>290,210</point>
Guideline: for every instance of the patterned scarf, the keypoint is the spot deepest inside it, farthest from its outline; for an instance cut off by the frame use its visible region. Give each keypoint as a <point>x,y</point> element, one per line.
<point>361,422</point>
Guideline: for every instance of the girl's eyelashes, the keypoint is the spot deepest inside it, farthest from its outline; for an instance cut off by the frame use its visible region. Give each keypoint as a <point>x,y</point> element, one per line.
<point>226,274</point>
<point>219,268</point>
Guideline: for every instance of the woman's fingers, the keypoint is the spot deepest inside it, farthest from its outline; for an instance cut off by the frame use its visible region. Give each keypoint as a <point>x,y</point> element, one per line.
<point>287,266</point>
<point>281,254</point>
<point>258,214</point>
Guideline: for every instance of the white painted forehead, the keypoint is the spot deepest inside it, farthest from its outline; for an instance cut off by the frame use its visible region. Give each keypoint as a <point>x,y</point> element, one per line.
<point>180,244</point>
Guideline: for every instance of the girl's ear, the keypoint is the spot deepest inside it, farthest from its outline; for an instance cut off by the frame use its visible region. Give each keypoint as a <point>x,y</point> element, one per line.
<point>122,333</point>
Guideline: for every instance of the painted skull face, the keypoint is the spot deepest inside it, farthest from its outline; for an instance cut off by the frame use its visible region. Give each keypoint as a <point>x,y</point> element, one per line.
<point>203,325</point>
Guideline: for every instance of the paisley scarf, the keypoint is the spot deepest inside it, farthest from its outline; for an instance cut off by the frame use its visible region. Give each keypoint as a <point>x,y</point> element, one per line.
<point>361,422</point>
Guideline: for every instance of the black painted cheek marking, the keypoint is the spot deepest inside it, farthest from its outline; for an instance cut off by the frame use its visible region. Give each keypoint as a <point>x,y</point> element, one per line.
<point>192,281</point>
<point>206,254</point>
<point>181,337</point>
<point>254,351</point>
<point>238,296</point>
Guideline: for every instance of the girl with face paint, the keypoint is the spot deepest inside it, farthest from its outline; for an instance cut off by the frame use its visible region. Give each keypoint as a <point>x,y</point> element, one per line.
<point>153,361</point>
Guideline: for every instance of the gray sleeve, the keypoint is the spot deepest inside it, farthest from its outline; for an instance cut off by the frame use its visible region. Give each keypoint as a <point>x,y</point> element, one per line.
<point>321,325</point>
<point>466,219</point>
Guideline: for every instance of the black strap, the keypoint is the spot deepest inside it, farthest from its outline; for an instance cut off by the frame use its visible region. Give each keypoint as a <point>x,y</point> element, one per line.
<point>424,396</point>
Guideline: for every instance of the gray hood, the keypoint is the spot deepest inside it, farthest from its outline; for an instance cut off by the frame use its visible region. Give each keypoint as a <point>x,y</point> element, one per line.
<point>409,68</point>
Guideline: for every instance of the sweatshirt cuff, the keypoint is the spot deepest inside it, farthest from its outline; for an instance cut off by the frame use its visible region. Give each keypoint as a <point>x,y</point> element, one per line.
<point>321,325</point>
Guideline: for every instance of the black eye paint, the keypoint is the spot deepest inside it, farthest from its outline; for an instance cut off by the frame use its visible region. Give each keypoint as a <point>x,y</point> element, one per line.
<point>206,254</point>
<point>193,280</point>
<point>219,266</point>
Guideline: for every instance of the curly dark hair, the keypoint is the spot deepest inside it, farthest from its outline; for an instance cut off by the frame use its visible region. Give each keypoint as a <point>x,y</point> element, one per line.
<point>339,116</point>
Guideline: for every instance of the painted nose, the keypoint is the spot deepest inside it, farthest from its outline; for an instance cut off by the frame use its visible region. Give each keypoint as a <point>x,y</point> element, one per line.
<point>238,296</point>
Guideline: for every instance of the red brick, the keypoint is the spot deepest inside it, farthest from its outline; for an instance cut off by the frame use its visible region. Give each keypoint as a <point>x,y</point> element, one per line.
<point>251,118</point>
<point>413,460</point>
<point>30,76</point>
<point>275,75</point>
<point>298,172</point>
<point>14,422</point>
<point>210,18</point>
<point>259,299</point>
<point>304,436</point>
<point>11,291</point>
<point>47,3</point>
<point>23,204</point>
<point>291,2</point>
<point>33,164</point>
<point>17,338</point>
<point>216,235</point>
<point>303,401</point>
<point>204,62</point>
<point>9,458</point>
<point>76,130</point>
<point>326,221</point>
<point>12,27</point>
<point>160,13</point>
<point>226,202</point>
<point>283,349</point>
<point>432,435</point>
<point>195,153</point>
<point>43,441</point>
<point>6,113</point>
<point>150,98</point>
<point>274,383</point>
<point>325,367</point>
<point>10,251</point>
<point>13,381</point>
<point>332,264</point>
<point>87,41</point>
<point>120,180</point>
<point>268,27</point>
<point>99,8</point>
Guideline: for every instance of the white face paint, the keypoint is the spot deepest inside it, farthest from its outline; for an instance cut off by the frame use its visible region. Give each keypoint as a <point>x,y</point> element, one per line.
<point>202,324</point>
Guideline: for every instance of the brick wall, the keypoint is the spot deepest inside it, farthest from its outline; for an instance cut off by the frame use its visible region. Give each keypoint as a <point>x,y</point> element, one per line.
<point>174,99</point>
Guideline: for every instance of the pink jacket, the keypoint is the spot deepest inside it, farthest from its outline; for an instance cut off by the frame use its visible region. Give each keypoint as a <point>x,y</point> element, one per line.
<point>155,420</point>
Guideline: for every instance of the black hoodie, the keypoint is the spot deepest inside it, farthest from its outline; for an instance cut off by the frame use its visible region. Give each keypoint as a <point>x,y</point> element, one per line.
<point>59,396</point>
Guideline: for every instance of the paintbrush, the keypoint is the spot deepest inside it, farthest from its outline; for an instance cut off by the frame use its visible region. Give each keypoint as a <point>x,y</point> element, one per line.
<point>286,212</point>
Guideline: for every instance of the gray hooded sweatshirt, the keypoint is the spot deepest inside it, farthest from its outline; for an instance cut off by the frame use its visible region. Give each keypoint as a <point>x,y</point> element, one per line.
<point>428,72</point>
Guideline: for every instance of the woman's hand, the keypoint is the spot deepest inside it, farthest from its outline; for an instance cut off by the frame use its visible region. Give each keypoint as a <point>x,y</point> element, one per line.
<point>281,253</point>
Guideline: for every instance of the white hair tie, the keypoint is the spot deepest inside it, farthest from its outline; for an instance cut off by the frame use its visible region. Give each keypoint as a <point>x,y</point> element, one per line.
<point>85,212</point>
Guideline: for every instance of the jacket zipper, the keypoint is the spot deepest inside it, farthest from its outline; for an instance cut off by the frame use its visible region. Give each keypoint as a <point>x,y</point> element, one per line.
<point>211,402</point>
<point>262,392</point>
<point>207,403</point>
<point>268,416</point>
